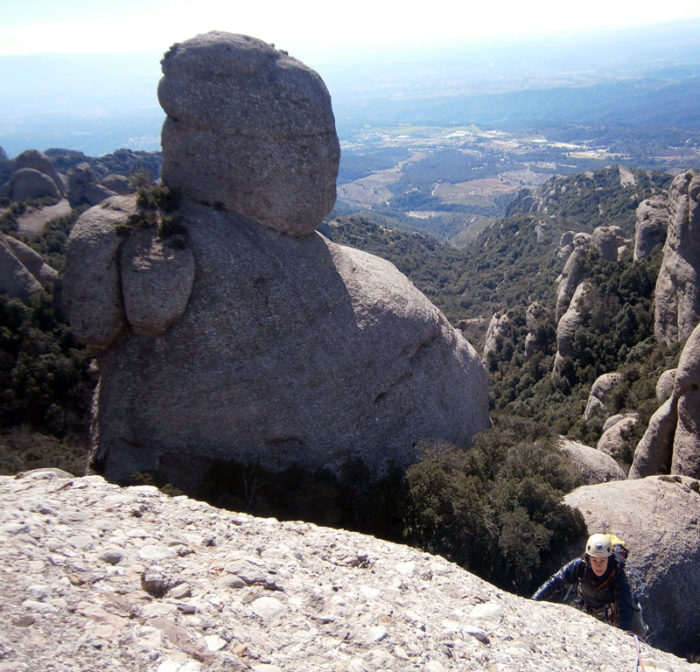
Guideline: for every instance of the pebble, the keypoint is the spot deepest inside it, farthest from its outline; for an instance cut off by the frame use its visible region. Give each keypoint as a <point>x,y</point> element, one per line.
<point>112,557</point>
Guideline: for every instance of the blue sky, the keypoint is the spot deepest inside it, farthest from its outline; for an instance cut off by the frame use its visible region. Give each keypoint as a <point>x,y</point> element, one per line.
<point>80,26</point>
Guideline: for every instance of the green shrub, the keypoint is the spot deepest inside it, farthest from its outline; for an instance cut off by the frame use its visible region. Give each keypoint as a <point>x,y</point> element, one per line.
<point>156,205</point>
<point>495,509</point>
<point>44,372</point>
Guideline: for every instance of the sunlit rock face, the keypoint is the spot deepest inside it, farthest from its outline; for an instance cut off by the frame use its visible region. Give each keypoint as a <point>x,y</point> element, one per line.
<point>247,335</point>
<point>677,295</point>
<point>106,578</point>
<point>249,128</point>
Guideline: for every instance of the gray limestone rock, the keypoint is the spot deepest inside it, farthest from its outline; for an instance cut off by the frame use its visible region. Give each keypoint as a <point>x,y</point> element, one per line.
<point>651,225</point>
<point>601,399</point>
<point>83,188</point>
<point>566,246</point>
<point>291,350</point>
<point>15,278</point>
<point>22,270</point>
<point>593,465</point>
<point>616,440</point>
<point>156,276</point>
<point>677,294</point>
<point>607,240</point>
<point>249,128</point>
<point>566,330</point>
<point>664,385</point>
<point>658,518</point>
<point>499,327</point>
<point>37,160</point>
<point>31,260</point>
<point>571,277</point>
<point>672,439</point>
<point>535,314</point>
<point>532,344</point>
<point>654,451</point>
<point>543,231</point>
<point>538,319</point>
<point>244,343</point>
<point>568,324</point>
<point>118,275</point>
<point>28,183</point>
<point>686,443</point>
<point>613,419</point>
<point>91,278</point>
<point>118,184</point>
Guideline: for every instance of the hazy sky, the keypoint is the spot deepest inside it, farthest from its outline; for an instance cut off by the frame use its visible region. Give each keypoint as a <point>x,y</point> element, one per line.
<point>87,26</point>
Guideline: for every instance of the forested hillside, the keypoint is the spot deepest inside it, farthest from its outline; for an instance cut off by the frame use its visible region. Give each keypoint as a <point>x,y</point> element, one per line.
<point>515,263</point>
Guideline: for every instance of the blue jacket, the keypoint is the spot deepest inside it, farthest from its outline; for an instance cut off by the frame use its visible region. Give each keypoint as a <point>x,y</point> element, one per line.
<point>596,591</point>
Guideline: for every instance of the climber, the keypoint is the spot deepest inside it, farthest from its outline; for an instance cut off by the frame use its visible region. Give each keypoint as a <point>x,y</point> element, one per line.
<point>602,587</point>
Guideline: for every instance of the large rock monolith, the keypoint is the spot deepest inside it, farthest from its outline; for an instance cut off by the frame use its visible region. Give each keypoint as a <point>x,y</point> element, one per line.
<point>244,334</point>
<point>251,129</point>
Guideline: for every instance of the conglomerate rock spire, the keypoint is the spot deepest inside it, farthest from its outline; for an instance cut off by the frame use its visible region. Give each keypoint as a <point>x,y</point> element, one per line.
<point>250,128</point>
<point>241,333</point>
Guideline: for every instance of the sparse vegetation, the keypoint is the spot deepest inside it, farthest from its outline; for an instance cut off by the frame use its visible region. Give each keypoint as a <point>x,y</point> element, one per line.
<point>157,209</point>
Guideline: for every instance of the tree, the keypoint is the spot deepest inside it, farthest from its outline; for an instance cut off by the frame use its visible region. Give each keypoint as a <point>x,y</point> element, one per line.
<point>497,508</point>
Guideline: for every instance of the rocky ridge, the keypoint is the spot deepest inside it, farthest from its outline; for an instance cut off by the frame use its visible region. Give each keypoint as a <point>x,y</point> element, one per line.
<point>97,577</point>
<point>34,176</point>
<point>669,218</point>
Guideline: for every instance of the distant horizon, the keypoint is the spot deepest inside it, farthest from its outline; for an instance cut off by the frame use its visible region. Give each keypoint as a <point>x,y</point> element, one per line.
<point>72,101</point>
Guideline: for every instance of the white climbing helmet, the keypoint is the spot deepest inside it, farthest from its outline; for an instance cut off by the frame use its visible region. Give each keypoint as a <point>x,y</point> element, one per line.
<point>599,546</point>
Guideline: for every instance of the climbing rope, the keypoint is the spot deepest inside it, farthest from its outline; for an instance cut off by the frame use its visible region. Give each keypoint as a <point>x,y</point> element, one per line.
<point>639,665</point>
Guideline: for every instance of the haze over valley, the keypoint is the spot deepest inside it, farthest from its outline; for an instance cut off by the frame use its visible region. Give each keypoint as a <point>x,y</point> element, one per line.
<point>433,139</point>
